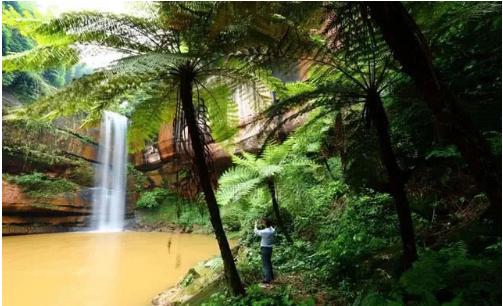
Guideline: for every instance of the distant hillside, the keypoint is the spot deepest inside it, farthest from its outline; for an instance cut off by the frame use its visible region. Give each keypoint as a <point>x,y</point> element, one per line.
<point>28,86</point>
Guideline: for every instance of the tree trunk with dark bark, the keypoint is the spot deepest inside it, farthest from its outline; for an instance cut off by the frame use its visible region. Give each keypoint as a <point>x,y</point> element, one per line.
<point>410,48</point>
<point>231,273</point>
<point>396,177</point>
<point>275,206</point>
<point>327,166</point>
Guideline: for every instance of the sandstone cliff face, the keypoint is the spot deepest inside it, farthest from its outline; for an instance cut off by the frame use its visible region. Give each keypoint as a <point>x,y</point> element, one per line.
<point>25,215</point>
<point>57,152</point>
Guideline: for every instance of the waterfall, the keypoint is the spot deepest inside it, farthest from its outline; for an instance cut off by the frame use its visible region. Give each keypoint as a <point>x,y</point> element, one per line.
<point>109,196</point>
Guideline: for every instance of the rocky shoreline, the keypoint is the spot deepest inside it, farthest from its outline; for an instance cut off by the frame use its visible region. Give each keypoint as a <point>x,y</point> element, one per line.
<point>199,282</point>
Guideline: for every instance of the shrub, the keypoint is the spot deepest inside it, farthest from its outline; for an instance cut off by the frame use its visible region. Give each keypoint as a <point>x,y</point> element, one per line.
<point>191,215</point>
<point>449,276</point>
<point>452,276</point>
<point>164,206</point>
<point>231,218</point>
<point>250,264</point>
<point>153,198</point>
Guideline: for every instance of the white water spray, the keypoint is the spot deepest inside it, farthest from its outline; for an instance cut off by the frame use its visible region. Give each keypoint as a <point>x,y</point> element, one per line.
<point>110,181</point>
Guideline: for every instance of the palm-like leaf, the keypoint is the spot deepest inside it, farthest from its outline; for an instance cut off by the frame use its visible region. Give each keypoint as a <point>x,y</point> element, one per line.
<point>235,183</point>
<point>40,58</point>
<point>222,113</point>
<point>122,32</point>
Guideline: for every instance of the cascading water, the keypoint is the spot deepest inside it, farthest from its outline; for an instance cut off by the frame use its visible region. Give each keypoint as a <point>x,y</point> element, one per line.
<point>110,181</point>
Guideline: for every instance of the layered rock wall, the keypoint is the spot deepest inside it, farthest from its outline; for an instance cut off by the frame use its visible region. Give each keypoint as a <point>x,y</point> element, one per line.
<point>57,152</point>
<point>23,214</point>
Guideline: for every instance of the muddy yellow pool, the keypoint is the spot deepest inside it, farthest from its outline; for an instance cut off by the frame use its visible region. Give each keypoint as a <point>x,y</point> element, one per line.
<point>93,269</point>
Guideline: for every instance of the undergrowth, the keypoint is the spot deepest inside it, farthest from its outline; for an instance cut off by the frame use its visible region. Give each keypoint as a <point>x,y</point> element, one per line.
<point>163,207</point>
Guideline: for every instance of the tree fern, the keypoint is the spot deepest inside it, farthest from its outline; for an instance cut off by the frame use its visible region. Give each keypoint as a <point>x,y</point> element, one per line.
<point>108,87</point>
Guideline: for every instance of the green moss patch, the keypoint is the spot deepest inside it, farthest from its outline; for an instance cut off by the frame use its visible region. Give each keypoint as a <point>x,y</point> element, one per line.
<point>40,185</point>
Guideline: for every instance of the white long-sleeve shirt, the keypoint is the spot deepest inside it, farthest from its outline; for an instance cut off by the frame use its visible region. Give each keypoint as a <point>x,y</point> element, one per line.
<point>266,235</point>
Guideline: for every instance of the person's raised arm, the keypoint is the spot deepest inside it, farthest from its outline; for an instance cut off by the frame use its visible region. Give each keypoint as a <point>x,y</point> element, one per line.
<point>256,230</point>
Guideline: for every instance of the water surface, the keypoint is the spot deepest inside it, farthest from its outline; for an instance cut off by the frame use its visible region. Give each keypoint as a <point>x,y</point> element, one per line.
<point>97,269</point>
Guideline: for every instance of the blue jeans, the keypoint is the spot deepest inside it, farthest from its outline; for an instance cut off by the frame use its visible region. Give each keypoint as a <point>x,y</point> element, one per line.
<point>266,253</point>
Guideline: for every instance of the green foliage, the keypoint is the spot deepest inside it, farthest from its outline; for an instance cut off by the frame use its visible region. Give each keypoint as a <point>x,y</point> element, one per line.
<point>375,299</point>
<point>189,277</point>
<point>39,185</point>
<point>39,158</point>
<point>451,276</point>
<point>194,215</point>
<point>222,114</point>
<point>365,226</point>
<point>152,199</point>
<point>255,296</point>
<point>148,73</point>
<point>328,175</point>
<point>446,152</point>
<point>251,173</point>
<point>12,40</point>
<point>242,180</point>
<point>26,86</point>
<point>231,218</point>
<point>82,174</point>
<point>140,179</point>
<point>175,211</point>
<point>25,59</point>
<point>494,139</point>
<point>467,49</point>
<point>40,58</point>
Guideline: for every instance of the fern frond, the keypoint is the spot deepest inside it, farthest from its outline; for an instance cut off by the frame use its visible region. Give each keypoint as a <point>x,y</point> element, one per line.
<point>40,58</point>
<point>268,171</point>
<point>222,113</point>
<point>153,107</point>
<point>118,31</point>
<point>246,160</point>
<point>239,191</point>
<point>236,175</point>
<point>153,64</point>
<point>275,154</point>
<point>235,184</point>
<point>89,95</point>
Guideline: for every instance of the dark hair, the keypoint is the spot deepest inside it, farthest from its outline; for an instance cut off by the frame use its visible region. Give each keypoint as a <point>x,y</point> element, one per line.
<point>268,222</point>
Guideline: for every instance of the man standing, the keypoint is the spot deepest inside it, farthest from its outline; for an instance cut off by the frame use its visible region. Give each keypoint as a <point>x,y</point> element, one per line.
<point>266,242</point>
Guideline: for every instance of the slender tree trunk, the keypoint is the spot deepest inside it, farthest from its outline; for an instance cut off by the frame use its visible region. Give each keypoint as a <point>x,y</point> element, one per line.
<point>410,48</point>
<point>275,206</point>
<point>231,273</point>
<point>395,176</point>
<point>327,166</point>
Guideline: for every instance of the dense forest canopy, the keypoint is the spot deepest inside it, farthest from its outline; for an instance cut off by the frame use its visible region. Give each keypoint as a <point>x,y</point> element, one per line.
<point>390,191</point>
